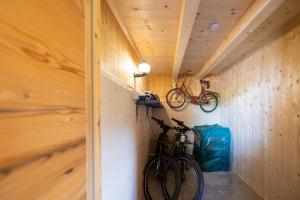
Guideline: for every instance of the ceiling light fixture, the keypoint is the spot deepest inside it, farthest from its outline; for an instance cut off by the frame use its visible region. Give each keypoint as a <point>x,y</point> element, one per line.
<point>214,27</point>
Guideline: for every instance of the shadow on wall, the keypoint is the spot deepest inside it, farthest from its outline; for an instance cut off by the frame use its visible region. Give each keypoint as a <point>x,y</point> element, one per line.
<point>261,104</point>
<point>192,115</point>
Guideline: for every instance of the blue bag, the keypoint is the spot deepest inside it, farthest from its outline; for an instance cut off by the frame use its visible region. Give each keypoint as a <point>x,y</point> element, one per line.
<point>212,147</point>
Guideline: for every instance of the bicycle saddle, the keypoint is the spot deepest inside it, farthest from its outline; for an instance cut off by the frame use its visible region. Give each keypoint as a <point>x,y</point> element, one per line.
<point>205,83</point>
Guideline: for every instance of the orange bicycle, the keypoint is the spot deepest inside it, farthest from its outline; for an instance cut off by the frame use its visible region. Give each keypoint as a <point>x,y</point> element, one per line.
<point>207,100</point>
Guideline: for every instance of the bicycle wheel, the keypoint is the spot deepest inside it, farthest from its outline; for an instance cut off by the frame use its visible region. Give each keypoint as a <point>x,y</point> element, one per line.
<point>192,182</point>
<point>161,179</point>
<point>175,98</point>
<point>208,102</point>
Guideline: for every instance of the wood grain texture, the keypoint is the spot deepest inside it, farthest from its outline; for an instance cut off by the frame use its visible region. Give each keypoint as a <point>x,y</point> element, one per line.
<point>281,21</point>
<point>159,84</point>
<point>187,19</point>
<point>117,57</point>
<point>57,175</point>
<point>116,12</point>
<point>263,22</point>
<point>42,100</point>
<point>93,154</point>
<point>260,98</point>
<point>153,26</point>
<point>203,42</point>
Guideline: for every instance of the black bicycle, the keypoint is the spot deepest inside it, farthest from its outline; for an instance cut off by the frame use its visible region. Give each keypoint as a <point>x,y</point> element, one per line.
<point>191,174</point>
<point>161,174</point>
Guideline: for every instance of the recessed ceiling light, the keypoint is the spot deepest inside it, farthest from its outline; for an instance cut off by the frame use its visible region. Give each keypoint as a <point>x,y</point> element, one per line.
<point>214,27</point>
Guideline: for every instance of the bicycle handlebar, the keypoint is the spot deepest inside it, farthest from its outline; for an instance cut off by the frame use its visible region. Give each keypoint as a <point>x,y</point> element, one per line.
<point>178,129</point>
<point>181,123</point>
<point>161,123</point>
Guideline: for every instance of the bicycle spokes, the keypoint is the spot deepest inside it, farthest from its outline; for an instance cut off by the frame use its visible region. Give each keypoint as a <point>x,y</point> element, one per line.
<point>208,102</point>
<point>176,98</point>
<point>161,180</point>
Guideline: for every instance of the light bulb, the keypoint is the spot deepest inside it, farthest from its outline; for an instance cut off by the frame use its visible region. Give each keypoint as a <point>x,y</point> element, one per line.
<point>144,67</point>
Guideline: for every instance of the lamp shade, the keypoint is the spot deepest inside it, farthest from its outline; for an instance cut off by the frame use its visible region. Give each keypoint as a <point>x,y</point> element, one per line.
<point>144,67</point>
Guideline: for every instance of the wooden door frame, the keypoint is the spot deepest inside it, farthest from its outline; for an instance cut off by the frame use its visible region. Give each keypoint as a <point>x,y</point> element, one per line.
<point>93,143</point>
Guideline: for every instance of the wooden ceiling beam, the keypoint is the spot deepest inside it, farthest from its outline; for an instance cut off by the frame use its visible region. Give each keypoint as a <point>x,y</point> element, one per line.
<point>189,9</point>
<point>255,15</point>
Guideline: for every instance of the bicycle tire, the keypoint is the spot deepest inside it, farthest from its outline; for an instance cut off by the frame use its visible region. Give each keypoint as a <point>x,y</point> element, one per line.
<point>169,101</point>
<point>171,163</point>
<point>213,97</point>
<point>196,167</point>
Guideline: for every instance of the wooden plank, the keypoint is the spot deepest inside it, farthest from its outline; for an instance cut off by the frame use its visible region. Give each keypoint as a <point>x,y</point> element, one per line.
<point>261,94</point>
<point>29,80</point>
<point>95,104</point>
<point>256,14</point>
<point>34,133</point>
<point>159,84</point>
<point>203,42</point>
<point>42,99</point>
<point>118,57</point>
<point>153,26</point>
<point>116,12</point>
<point>57,175</point>
<point>188,15</point>
<point>91,167</point>
<point>277,24</point>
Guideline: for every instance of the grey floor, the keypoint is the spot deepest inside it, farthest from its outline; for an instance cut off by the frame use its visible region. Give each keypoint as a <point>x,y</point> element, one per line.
<point>226,186</point>
<point>217,186</point>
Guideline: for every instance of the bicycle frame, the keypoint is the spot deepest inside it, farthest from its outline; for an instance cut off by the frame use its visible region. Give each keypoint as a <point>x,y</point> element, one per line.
<point>195,99</point>
<point>162,143</point>
<point>178,146</point>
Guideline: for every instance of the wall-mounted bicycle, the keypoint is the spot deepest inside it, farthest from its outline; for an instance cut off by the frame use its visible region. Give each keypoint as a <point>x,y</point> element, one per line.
<point>207,100</point>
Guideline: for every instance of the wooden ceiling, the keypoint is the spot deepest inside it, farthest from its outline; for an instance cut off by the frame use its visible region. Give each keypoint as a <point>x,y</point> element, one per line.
<point>174,38</point>
<point>153,26</point>
<point>203,42</point>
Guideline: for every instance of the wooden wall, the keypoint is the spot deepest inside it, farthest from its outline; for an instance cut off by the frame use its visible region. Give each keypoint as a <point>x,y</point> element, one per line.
<point>117,56</point>
<point>260,99</point>
<point>159,84</point>
<point>42,100</point>
<point>162,83</point>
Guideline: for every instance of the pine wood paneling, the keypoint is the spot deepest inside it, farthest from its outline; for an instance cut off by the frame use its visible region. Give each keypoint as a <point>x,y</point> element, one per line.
<point>260,103</point>
<point>203,42</point>
<point>118,58</point>
<point>264,21</point>
<point>153,26</point>
<point>58,175</point>
<point>42,100</point>
<point>159,84</point>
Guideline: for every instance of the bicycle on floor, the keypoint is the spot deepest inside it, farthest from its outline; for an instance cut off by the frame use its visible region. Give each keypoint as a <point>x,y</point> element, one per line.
<point>173,175</point>
<point>207,100</point>
<point>161,173</point>
<point>191,174</point>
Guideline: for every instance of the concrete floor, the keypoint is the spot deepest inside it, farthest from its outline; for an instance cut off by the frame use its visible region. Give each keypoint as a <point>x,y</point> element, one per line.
<point>217,186</point>
<point>226,186</point>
